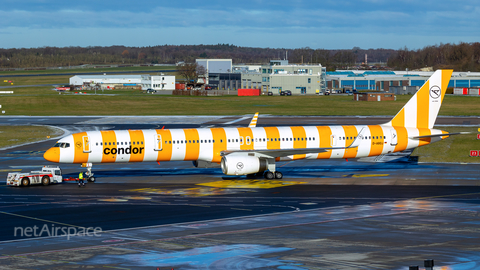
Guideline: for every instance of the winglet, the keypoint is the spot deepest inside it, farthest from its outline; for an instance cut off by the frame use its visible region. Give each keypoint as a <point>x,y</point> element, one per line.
<point>253,123</point>
<point>357,141</point>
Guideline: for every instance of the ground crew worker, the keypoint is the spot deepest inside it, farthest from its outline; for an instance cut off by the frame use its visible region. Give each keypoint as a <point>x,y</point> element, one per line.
<point>80,179</point>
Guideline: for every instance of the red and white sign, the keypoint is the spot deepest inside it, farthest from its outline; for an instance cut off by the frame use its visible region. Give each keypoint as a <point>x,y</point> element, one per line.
<point>478,136</point>
<point>474,153</point>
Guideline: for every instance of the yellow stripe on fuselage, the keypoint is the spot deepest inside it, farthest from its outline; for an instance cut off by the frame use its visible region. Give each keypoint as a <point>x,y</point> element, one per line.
<point>299,132</point>
<point>272,135</point>
<point>325,133</point>
<point>220,138</point>
<point>350,134</point>
<point>80,156</point>
<point>192,141</point>
<point>138,145</point>
<point>246,136</point>
<point>402,139</point>
<point>424,132</point>
<point>377,140</point>
<point>109,139</point>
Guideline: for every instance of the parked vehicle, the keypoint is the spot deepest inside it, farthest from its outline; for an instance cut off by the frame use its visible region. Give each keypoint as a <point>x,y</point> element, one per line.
<point>286,93</point>
<point>150,90</point>
<point>46,176</point>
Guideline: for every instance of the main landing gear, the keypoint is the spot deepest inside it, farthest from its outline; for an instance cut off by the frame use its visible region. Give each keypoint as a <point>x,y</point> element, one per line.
<point>267,170</point>
<point>273,175</point>
<point>268,175</point>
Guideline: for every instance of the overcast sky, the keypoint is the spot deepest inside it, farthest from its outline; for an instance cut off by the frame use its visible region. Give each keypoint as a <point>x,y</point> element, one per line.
<point>328,24</point>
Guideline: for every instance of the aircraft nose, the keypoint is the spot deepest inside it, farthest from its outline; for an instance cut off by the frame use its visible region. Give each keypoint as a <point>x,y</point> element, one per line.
<point>52,154</point>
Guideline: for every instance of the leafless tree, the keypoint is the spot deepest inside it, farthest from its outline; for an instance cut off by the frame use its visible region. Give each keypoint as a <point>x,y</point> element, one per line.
<point>189,72</point>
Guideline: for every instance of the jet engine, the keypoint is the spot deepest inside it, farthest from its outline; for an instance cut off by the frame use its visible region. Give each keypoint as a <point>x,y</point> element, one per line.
<point>241,165</point>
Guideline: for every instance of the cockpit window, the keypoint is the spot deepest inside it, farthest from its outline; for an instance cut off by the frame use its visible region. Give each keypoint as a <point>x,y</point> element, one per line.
<point>62,145</point>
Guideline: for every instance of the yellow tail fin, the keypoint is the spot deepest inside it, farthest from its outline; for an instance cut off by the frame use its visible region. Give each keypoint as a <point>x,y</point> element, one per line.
<point>422,109</point>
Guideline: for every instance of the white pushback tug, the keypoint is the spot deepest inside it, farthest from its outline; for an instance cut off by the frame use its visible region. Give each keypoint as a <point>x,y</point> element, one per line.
<point>46,176</point>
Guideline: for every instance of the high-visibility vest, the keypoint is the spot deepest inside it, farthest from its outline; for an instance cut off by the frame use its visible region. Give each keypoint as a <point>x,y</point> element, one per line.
<point>80,176</point>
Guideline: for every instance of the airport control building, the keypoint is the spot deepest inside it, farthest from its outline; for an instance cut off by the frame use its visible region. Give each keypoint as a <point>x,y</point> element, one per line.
<point>276,77</point>
<point>279,76</point>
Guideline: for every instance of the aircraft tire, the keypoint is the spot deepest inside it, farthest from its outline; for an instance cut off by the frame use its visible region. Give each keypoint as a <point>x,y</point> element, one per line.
<point>91,179</point>
<point>269,175</point>
<point>278,175</point>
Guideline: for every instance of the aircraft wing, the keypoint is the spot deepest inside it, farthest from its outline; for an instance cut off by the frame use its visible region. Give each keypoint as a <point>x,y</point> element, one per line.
<point>274,153</point>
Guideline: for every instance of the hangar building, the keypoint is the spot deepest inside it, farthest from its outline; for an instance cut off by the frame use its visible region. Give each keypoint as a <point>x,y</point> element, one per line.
<point>400,82</point>
<point>157,82</point>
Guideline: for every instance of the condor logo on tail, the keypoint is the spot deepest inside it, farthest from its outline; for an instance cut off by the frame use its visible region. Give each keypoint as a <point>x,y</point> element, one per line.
<point>435,92</point>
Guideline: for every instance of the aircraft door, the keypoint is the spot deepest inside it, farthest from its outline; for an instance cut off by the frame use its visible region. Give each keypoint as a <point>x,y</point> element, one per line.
<point>333,140</point>
<point>393,134</point>
<point>158,142</point>
<point>86,144</point>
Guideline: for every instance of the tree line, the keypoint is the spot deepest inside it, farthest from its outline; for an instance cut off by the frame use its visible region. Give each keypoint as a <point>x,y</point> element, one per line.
<point>461,57</point>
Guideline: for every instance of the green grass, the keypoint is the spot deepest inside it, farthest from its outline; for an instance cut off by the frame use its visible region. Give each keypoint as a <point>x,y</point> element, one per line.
<point>16,135</point>
<point>84,70</point>
<point>43,101</point>
<point>34,80</point>
<point>453,149</point>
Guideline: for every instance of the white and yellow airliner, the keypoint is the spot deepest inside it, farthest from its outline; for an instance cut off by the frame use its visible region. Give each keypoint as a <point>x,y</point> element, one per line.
<point>254,150</point>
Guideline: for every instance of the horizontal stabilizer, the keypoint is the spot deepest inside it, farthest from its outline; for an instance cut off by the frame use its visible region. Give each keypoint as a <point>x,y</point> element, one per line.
<point>439,135</point>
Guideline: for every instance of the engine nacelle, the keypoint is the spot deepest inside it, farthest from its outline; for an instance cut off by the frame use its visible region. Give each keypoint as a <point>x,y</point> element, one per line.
<point>242,164</point>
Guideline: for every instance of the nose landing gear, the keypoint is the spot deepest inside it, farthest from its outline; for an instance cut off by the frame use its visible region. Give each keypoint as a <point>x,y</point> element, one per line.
<point>89,175</point>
